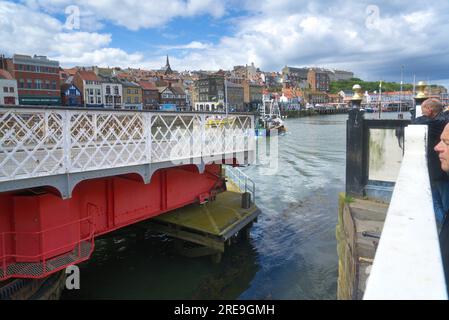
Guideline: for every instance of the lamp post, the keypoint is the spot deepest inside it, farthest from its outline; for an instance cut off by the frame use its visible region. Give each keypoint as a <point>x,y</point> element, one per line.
<point>357,98</point>
<point>420,98</point>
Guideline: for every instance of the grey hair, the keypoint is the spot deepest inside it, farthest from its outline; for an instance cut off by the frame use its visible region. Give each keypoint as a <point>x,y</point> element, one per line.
<point>433,104</point>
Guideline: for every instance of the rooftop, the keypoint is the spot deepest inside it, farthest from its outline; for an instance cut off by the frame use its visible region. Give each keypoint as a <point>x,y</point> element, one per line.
<point>88,75</point>
<point>5,75</point>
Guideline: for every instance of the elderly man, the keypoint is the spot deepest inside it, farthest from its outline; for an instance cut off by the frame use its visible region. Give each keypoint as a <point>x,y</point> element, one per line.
<point>442,149</point>
<point>436,119</point>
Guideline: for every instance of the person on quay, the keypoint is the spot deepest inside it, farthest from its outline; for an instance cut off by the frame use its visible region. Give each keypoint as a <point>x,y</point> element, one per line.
<point>442,149</point>
<point>436,119</point>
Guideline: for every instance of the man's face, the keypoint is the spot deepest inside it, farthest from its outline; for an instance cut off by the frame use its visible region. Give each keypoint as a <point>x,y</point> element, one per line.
<point>443,149</point>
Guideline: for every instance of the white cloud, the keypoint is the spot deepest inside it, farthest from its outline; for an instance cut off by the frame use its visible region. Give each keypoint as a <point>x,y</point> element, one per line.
<point>335,34</point>
<point>25,31</point>
<point>272,34</point>
<point>135,14</point>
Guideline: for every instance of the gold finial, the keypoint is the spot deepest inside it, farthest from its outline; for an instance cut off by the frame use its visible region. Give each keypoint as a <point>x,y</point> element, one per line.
<point>421,86</point>
<point>357,92</point>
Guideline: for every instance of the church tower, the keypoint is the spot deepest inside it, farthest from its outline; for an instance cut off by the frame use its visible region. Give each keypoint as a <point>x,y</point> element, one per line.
<point>167,69</point>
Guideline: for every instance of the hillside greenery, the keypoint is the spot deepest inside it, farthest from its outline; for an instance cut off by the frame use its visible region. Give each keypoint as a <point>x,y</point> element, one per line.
<point>337,86</point>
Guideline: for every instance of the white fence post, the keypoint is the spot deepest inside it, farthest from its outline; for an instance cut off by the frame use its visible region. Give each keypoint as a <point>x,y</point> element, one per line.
<point>67,132</point>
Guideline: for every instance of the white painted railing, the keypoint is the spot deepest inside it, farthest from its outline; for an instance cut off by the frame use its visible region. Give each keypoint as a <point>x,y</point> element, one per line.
<point>241,180</point>
<point>408,262</point>
<point>43,142</point>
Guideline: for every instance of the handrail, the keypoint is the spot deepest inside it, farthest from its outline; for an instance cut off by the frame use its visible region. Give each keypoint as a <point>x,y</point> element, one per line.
<point>37,142</point>
<point>242,181</point>
<point>44,256</point>
<point>408,262</point>
<point>106,109</point>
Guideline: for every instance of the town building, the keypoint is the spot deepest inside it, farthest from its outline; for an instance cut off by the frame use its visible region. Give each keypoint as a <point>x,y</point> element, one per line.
<point>91,89</point>
<point>272,79</point>
<point>173,95</point>
<point>112,92</point>
<point>244,73</point>
<point>295,77</point>
<point>70,95</point>
<point>8,89</point>
<point>234,94</point>
<point>208,106</point>
<point>317,98</point>
<point>318,80</point>
<point>252,95</point>
<point>395,97</point>
<point>210,88</point>
<point>37,79</point>
<point>132,95</point>
<point>150,95</point>
<point>339,75</point>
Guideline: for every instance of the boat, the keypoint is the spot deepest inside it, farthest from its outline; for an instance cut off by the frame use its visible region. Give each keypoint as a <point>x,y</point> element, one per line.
<point>220,122</point>
<point>271,120</point>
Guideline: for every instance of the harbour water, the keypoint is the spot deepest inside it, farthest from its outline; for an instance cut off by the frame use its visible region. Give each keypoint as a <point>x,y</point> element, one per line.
<point>292,252</point>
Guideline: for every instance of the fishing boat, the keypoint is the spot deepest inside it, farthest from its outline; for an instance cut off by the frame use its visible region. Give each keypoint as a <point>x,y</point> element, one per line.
<point>270,119</point>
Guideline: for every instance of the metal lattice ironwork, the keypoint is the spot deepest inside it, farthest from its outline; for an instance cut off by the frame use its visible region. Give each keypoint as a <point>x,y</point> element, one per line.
<point>45,142</point>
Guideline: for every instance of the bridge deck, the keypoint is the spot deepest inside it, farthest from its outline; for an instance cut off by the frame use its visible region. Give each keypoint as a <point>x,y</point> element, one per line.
<point>43,143</point>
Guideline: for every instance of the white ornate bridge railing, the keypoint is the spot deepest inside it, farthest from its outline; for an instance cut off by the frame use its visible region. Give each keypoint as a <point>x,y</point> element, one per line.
<point>37,142</point>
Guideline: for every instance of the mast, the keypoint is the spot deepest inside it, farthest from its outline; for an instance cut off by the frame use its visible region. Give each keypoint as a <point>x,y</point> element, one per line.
<point>380,99</point>
<point>402,82</point>
<point>226,96</point>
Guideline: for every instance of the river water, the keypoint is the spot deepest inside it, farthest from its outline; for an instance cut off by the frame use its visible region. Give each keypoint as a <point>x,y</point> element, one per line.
<point>292,252</point>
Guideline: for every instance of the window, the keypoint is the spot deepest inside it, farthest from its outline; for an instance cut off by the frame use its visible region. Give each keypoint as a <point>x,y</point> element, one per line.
<point>136,91</point>
<point>21,83</point>
<point>5,89</point>
<point>47,84</point>
<point>116,90</point>
<point>128,99</point>
<point>91,100</point>
<point>108,89</point>
<point>53,85</point>
<point>136,99</point>
<point>11,89</point>
<point>29,84</point>
<point>38,83</point>
<point>129,91</point>
<point>98,92</point>
<point>99,100</point>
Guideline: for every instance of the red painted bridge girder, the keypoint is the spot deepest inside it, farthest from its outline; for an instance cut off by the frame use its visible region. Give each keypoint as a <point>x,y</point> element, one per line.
<point>40,233</point>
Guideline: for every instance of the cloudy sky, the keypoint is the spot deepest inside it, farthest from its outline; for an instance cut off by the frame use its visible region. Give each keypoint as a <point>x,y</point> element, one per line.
<point>372,38</point>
